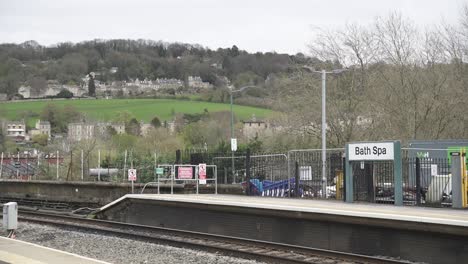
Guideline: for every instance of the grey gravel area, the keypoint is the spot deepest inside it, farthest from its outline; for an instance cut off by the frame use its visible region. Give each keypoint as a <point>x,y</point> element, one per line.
<point>115,249</point>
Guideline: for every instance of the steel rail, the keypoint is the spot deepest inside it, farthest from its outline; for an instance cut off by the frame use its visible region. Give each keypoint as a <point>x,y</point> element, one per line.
<point>235,246</point>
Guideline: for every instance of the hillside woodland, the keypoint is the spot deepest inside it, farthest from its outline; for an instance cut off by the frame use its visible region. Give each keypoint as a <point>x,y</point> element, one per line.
<point>400,81</point>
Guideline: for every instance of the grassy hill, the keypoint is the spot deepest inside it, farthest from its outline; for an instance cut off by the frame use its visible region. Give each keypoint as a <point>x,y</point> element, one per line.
<point>142,109</point>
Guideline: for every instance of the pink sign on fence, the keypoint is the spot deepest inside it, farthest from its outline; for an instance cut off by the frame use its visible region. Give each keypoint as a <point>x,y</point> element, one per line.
<point>185,172</point>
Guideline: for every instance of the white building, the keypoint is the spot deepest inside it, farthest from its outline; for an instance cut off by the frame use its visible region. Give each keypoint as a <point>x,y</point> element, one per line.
<point>15,129</point>
<point>197,82</point>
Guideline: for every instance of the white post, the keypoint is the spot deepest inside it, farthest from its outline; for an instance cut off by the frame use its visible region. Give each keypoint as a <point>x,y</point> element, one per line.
<point>125,165</point>
<point>82,166</point>
<point>57,164</point>
<point>155,163</point>
<point>131,166</point>
<point>38,164</point>
<point>99,165</point>
<point>196,176</point>
<point>17,169</point>
<point>1,166</point>
<point>324,135</point>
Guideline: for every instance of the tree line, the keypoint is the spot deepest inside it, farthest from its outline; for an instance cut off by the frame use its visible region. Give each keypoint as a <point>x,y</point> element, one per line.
<point>399,82</point>
<point>68,63</point>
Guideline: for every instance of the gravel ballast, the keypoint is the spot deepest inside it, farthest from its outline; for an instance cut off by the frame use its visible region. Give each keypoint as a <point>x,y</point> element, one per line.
<point>115,249</point>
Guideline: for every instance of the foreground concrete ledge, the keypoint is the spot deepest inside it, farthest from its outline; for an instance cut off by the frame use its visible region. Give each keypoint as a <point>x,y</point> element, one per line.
<point>16,251</point>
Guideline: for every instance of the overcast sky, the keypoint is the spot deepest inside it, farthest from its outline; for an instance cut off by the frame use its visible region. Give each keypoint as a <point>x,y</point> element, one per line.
<point>262,25</point>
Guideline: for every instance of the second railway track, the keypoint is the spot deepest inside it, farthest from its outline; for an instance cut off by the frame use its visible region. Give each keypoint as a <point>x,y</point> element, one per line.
<point>247,248</point>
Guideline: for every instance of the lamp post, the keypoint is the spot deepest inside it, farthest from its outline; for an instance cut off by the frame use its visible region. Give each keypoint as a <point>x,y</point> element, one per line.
<point>232,125</point>
<point>324,123</point>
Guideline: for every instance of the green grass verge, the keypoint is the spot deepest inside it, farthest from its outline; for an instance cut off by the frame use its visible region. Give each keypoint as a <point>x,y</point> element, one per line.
<point>142,109</point>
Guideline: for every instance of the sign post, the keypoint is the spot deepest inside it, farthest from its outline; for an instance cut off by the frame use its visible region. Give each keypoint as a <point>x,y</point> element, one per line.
<point>202,173</point>
<point>233,148</point>
<point>132,176</point>
<point>371,151</point>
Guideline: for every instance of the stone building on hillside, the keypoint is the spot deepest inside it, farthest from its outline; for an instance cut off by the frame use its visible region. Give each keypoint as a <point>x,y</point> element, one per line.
<point>254,128</point>
<point>197,82</point>
<point>145,128</point>
<point>102,128</point>
<point>42,128</point>
<point>85,131</point>
<point>81,131</point>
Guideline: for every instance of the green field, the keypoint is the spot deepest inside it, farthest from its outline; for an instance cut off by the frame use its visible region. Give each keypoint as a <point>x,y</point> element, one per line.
<point>142,109</point>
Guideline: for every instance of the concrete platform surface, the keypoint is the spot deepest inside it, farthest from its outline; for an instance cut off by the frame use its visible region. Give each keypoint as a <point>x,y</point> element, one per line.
<point>443,216</point>
<point>16,251</point>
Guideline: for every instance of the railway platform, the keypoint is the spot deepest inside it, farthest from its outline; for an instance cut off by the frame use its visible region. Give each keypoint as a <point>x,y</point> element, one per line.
<point>14,251</point>
<point>432,235</point>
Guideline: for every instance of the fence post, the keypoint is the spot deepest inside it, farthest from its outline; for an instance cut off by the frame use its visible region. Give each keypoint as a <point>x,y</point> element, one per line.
<point>82,166</point>
<point>225,175</point>
<point>216,179</point>
<point>247,172</point>
<point>99,165</point>
<point>71,165</point>
<point>125,165</point>
<point>155,164</point>
<point>1,165</point>
<point>177,161</point>
<point>418,181</point>
<point>36,172</point>
<point>296,180</point>
<point>27,165</point>
<point>58,154</point>
<point>344,177</point>
<point>289,175</point>
<point>131,167</point>
<point>17,167</point>
<point>369,175</point>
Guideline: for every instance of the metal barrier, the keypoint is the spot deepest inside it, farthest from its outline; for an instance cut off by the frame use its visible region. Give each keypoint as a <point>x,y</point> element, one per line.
<point>191,175</point>
<point>171,175</point>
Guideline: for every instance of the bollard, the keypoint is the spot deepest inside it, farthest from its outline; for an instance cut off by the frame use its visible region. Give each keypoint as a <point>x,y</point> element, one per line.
<point>457,181</point>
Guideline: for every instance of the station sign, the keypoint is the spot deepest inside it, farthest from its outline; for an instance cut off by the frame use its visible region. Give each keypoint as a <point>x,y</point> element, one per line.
<point>132,175</point>
<point>184,172</point>
<point>370,151</point>
<point>233,144</point>
<point>202,173</point>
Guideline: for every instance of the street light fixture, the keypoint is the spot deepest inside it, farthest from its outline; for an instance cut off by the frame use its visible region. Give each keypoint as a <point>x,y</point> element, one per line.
<point>324,123</point>
<point>231,91</point>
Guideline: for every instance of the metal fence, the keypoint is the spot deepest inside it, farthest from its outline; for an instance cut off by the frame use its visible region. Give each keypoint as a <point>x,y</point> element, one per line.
<point>309,164</point>
<point>426,181</point>
<point>373,181</point>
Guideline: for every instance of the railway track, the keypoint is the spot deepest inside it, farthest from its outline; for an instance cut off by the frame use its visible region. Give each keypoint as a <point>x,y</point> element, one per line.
<point>234,246</point>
